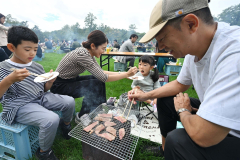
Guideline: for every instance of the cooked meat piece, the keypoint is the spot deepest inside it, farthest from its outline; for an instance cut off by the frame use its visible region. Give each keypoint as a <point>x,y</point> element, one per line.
<point>111,130</point>
<point>121,133</point>
<point>102,119</point>
<point>108,136</point>
<point>134,77</point>
<point>109,124</point>
<point>105,115</point>
<point>121,119</point>
<point>90,127</point>
<point>99,129</point>
<point>91,131</point>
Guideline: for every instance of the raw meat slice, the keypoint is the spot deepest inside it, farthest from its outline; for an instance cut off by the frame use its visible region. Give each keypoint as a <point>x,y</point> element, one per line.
<point>102,119</point>
<point>121,133</point>
<point>111,130</point>
<point>90,127</point>
<point>121,119</point>
<point>109,124</point>
<point>105,115</point>
<point>99,129</point>
<point>108,136</point>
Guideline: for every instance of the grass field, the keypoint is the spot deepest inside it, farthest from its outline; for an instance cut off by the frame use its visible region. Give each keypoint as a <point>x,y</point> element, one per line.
<point>72,149</point>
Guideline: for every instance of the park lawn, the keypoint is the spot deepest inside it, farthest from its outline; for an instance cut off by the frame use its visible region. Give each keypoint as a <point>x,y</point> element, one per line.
<point>72,149</point>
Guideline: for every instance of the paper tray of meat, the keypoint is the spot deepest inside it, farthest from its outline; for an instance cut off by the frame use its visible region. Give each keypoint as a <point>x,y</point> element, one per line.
<point>108,132</point>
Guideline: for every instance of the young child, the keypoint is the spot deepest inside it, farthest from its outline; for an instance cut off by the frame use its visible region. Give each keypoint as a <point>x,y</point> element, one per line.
<point>27,102</point>
<point>150,82</point>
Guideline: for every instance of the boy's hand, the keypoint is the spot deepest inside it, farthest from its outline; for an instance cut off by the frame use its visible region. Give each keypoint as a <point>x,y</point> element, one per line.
<point>52,80</point>
<point>18,75</point>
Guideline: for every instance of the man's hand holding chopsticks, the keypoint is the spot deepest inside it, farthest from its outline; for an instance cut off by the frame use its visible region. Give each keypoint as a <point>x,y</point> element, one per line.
<point>137,95</point>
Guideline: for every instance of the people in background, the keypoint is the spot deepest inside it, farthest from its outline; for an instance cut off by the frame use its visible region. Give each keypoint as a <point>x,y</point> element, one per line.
<point>48,44</point>
<point>3,37</point>
<point>116,45</point>
<point>212,64</point>
<point>75,44</point>
<point>128,47</point>
<point>28,102</point>
<point>92,87</point>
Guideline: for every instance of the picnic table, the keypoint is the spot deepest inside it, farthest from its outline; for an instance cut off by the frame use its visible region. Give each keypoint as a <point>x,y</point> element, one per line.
<point>137,54</point>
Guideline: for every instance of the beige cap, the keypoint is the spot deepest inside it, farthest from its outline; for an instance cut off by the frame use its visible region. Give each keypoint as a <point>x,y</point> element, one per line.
<point>169,9</point>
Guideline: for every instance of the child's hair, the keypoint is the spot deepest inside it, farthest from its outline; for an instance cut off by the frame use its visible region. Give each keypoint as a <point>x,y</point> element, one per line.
<point>151,61</point>
<point>17,34</point>
<point>97,38</point>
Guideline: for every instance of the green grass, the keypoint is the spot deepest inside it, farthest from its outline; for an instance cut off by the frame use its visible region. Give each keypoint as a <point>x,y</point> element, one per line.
<point>72,149</point>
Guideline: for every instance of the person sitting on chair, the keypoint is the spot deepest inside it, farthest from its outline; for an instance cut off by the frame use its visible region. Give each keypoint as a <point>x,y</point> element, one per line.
<point>127,46</point>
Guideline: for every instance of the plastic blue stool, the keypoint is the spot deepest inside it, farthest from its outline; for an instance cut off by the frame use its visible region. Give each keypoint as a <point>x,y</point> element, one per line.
<point>48,51</point>
<point>18,140</point>
<point>120,66</point>
<point>171,69</point>
<point>36,58</point>
<point>60,51</point>
<point>179,125</point>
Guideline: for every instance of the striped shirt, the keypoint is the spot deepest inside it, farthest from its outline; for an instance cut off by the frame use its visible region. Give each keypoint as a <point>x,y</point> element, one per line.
<point>19,93</point>
<point>78,61</point>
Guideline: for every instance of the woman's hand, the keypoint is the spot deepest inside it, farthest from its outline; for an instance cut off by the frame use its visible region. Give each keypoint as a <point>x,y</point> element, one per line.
<point>18,75</point>
<point>132,71</point>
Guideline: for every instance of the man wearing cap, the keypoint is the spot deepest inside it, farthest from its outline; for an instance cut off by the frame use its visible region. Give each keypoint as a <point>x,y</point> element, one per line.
<point>127,46</point>
<point>212,65</point>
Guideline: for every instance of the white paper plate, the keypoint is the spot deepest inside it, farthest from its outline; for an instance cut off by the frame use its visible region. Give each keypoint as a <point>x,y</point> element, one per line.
<point>136,78</point>
<point>41,79</point>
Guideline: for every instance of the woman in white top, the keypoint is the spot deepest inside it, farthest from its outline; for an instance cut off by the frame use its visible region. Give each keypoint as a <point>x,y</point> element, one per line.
<point>3,36</point>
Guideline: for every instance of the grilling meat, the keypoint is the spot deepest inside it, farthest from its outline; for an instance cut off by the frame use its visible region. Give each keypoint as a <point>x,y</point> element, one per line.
<point>121,133</point>
<point>105,115</point>
<point>99,129</point>
<point>111,130</point>
<point>108,136</point>
<point>121,119</point>
<point>90,127</point>
<point>102,119</point>
<point>109,124</point>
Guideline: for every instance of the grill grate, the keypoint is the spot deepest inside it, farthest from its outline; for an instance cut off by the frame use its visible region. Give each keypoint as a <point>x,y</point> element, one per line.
<point>123,149</point>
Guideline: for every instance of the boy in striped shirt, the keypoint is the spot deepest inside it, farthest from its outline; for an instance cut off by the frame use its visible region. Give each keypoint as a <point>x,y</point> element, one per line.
<point>27,102</point>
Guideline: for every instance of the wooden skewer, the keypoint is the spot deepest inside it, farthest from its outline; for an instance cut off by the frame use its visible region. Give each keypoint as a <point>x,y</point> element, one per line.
<point>126,106</point>
<point>130,108</point>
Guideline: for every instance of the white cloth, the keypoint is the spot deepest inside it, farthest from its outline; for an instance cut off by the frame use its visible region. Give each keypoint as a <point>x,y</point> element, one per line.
<point>216,78</point>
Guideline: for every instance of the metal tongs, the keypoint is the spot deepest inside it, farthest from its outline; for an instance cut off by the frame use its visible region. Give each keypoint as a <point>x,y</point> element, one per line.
<point>34,74</point>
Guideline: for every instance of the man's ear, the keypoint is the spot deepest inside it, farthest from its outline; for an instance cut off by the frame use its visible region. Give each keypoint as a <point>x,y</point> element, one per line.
<point>191,21</point>
<point>11,47</point>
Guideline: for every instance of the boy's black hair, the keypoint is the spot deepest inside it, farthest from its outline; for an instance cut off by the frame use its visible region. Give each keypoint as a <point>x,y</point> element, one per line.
<point>17,34</point>
<point>133,36</point>
<point>151,61</point>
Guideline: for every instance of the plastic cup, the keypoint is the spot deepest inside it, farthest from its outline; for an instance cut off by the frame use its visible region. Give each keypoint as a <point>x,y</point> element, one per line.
<point>108,50</point>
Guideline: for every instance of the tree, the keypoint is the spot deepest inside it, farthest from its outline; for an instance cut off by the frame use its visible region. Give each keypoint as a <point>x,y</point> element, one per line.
<point>10,21</point>
<point>230,15</point>
<point>89,22</point>
<point>38,32</point>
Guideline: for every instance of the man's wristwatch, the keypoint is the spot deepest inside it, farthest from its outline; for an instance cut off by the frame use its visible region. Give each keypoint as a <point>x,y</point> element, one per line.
<point>182,110</point>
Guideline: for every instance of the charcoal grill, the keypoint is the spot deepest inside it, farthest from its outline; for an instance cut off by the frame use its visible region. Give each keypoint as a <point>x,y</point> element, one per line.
<point>123,149</point>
